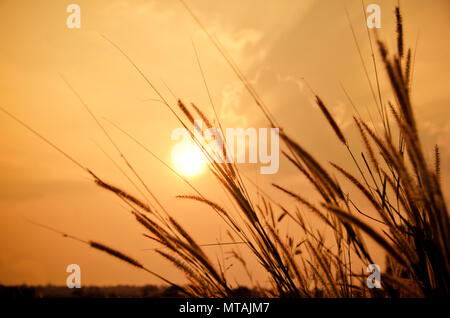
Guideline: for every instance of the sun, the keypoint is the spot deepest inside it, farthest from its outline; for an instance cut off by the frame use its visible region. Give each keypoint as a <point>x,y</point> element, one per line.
<point>188,159</point>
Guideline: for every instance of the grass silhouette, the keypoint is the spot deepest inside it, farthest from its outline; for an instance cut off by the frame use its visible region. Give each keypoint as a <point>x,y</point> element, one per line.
<point>403,190</point>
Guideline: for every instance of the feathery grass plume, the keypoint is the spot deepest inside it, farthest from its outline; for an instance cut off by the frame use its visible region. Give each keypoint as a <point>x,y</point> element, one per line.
<point>331,120</point>
<point>408,68</point>
<point>399,87</point>
<point>322,176</point>
<point>366,142</point>
<point>115,253</point>
<point>202,115</point>
<point>203,290</point>
<point>186,235</point>
<point>192,254</point>
<point>303,170</point>
<point>398,17</point>
<point>159,232</point>
<point>437,162</point>
<point>185,111</point>
<point>123,194</point>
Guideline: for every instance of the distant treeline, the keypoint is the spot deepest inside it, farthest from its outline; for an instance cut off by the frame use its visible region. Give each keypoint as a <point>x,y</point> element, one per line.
<point>119,291</point>
<point>50,291</point>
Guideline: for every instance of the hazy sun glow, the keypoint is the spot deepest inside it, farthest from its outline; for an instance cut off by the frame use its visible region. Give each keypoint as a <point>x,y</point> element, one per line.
<point>188,159</point>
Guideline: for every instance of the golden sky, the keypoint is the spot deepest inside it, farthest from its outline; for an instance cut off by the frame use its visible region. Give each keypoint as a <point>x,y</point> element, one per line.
<point>276,43</point>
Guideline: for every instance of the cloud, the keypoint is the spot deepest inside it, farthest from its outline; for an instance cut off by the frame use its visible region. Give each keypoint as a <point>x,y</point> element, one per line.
<point>231,98</point>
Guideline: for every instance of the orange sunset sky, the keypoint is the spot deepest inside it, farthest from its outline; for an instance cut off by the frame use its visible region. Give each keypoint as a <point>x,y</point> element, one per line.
<point>276,44</point>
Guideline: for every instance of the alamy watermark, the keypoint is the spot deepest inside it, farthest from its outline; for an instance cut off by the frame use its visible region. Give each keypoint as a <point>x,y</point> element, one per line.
<point>74,19</point>
<point>374,17</point>
<point>212,140</point>
<point>74,279</point>
<point>374,279</point>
